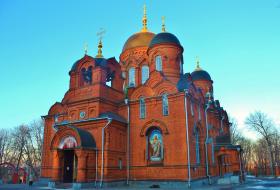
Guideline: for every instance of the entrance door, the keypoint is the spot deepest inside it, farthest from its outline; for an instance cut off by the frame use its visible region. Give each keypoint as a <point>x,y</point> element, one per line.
<point>68,166</point>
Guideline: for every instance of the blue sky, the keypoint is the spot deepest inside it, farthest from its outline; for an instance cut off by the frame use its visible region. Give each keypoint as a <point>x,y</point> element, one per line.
<point>238,42</point>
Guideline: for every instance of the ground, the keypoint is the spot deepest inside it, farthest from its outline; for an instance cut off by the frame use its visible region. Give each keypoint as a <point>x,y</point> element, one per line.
<point>252,183</point>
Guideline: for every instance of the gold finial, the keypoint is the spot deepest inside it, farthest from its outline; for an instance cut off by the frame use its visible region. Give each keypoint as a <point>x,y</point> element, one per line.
<point>163,24</point>
<point>144,20</point>
<point>99,53</point>
<point>197,64</point>
<point>100,35</point>
<point>86,48</point>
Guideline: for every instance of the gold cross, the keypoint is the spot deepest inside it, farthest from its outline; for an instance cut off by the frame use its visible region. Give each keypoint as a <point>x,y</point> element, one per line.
<point>101,33</point>
<point>86,48</point>
<point>163,24</point>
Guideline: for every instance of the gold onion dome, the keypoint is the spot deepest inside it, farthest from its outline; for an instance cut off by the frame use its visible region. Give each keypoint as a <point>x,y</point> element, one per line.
<point>140,39</point>
<point>199,73</point>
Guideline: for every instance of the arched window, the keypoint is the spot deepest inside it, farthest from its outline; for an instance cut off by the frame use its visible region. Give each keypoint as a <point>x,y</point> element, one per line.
<point>142,108</point>
<point>165,104</point>
<point>197,147</point>
<point>145,73</point>
<point>158,63</point>
<point>154,145</point>
<point>181,66</point>
<point>131,77</point>
<point>86,76</point>
<point>109,78</point>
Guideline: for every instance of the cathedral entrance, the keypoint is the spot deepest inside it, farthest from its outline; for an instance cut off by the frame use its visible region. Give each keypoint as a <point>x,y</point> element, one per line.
<point>68,168</point>
<point>70,155</point>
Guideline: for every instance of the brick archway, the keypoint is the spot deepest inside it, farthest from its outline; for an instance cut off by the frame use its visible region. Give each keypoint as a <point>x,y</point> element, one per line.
<point>152,123</point>
<point>74,157</point>
<point>62,133</point>
<point>84,138</point>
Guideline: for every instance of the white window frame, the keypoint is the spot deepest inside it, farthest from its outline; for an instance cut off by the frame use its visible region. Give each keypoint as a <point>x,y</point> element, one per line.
<point>165,106</point>
<point>131,77</point>
<point>158,63</point>
<point>145,73</point>
<point>142,108</point>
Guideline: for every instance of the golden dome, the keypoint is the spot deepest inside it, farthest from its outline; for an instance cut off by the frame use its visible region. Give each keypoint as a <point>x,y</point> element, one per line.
<point>140,39</point>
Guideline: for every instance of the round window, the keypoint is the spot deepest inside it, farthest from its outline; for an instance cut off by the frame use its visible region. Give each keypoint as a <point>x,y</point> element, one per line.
<point>82,114</point>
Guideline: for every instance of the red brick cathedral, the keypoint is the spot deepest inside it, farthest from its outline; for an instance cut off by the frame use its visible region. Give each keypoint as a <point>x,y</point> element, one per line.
<point>139,119</point>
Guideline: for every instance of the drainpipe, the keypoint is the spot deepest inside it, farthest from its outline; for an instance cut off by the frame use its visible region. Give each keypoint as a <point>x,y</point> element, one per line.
<point>188,145</point>
<point>206,142</point>
<point>96,167</point>
<point>128,142</point>
<point>102,149</point>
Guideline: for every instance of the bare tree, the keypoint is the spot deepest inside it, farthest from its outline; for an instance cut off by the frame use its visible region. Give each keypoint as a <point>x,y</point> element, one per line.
<point>4,145</point>
<point>33,147</point>
<point>275,141</point>
<point>263,125</point>
<point>247,154</point>
<point>235,134</point>
<point>19,140</point>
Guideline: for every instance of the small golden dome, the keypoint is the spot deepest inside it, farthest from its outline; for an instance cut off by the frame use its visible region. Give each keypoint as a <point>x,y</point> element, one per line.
<point>140,39</point>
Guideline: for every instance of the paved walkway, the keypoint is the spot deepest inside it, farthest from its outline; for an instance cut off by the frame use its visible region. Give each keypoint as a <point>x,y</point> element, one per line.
<point>252,183</point>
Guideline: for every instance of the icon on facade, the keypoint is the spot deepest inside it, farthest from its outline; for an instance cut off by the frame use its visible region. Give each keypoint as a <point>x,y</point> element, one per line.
<point>155,146</point>
<point>67,142</point>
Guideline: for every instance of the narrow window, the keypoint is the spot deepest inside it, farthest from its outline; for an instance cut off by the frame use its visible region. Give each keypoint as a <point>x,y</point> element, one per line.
<point>120,164</point>
<point>181,66</point>
<point>158,63</point>
<point>87,75</point>
<point>165,105</point>
<point>131,78</point>
<point>109,78</point>
<point>197,148</point>
<point>142,108</point>
<point>145,73</point>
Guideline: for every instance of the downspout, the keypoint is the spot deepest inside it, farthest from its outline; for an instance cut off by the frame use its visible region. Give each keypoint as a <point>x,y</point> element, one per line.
<point>96,167</point>
<point>206,142</point>
<point>102,151</point>
<point>188,145</point>
<point>128,142</point>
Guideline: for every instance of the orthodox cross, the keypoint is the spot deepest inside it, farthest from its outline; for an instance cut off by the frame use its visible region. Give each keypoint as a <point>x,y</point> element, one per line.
<point>101,33</point>
<point>86,48</point>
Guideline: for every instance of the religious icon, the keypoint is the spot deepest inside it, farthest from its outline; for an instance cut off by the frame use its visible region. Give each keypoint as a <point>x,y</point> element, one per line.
<point>155,144</point>
<point>68,142</point>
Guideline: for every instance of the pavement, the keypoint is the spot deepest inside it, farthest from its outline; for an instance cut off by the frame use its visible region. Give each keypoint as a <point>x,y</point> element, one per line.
<point>252,183</point>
